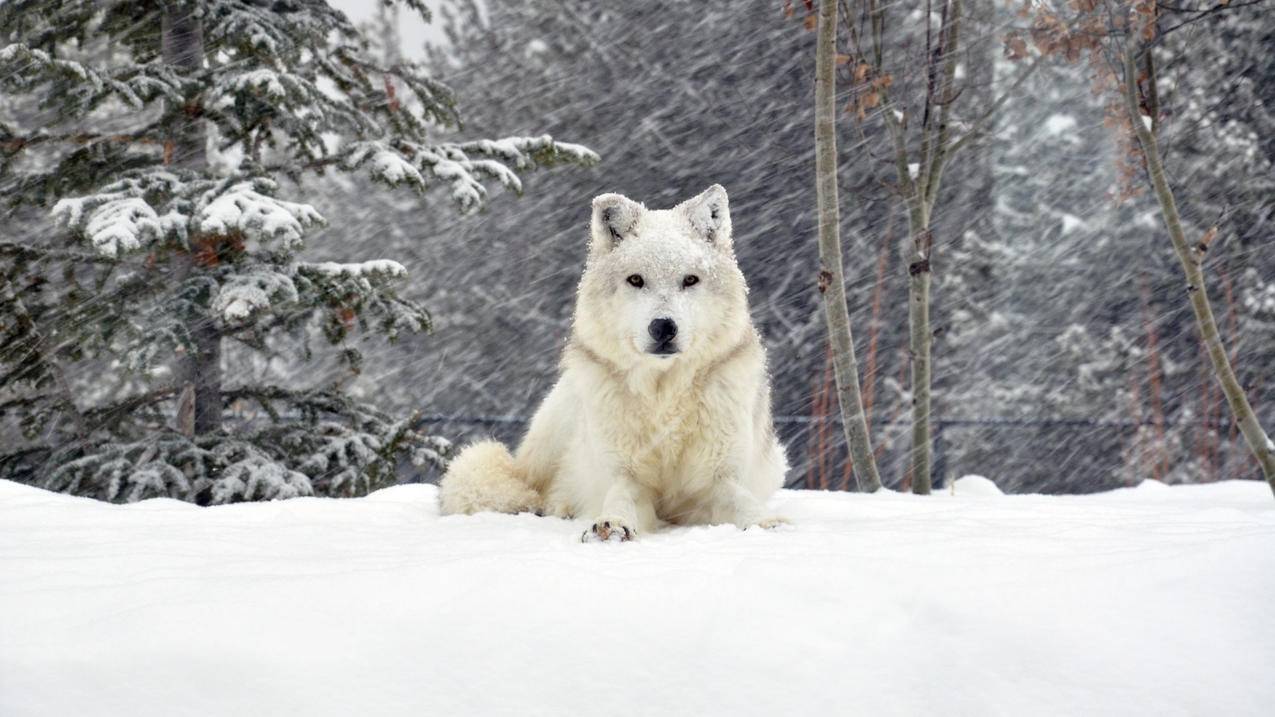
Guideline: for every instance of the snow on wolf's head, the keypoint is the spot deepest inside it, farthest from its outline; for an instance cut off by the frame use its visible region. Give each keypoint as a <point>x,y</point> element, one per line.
<point>661,286</point>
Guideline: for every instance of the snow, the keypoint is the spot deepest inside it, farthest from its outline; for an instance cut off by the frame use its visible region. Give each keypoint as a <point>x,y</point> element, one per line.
<point>267,81</point>
<point>119,225</point>
<point>376,267</point>
<point>1071,223</point>
<point>1059,123</point>
<point>251,291</point>
<point>1150,600</point>
<point>973,485</point>
<point>242,208</point>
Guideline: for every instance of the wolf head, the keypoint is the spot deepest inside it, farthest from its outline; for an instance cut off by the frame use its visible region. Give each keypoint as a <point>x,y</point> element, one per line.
<point>661,286</point>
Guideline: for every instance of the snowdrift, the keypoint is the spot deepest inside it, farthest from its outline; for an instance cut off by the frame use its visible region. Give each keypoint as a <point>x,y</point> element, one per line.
<point>1151,600</point>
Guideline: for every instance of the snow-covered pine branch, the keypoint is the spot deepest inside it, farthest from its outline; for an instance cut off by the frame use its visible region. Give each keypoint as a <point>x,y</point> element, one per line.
<point>114,223</point>
<point>247,208</point>
<point>361,290</point>
<point>210,471</point>
<point>462,166</point>
<point>23,69</point>
<point>251,291</point>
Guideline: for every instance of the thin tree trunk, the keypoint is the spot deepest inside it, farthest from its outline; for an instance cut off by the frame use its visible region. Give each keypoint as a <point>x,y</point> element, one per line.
<point>831,279</point>
<point>919,341</point>
<point>935,149</point>
<point>874,330</point>
<point>1191,258</point>
<point>200,370</point>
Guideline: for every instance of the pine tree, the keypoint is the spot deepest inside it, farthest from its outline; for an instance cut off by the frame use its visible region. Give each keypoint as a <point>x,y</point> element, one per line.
<point>165,164</point>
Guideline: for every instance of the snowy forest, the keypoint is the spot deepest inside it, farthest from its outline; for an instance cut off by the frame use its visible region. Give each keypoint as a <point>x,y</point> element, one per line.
<point>685,357</point>
<point>260,249</point>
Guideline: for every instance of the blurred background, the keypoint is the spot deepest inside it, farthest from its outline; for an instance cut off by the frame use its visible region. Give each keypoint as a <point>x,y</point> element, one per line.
<point>1066,358</point>
<point>1065,354</point>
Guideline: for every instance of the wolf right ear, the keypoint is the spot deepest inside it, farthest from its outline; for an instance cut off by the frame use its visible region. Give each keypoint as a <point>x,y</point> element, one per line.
<point>614,216</point>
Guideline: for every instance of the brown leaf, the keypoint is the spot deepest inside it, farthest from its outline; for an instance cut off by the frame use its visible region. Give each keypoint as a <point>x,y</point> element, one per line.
<point>842,59</point>
<point>861,72</point>
<point>1015,47</point>
<point>811,22</point>
<point>346,316</point>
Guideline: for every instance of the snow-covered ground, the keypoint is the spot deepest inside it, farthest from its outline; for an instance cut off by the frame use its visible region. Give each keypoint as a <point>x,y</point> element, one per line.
<point>1152,600</point>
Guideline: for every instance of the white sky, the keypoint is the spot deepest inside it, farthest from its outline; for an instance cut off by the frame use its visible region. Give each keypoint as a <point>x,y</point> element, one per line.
<point>413,31</point>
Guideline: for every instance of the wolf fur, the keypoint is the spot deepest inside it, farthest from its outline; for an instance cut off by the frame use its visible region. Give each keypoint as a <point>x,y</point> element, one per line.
<point>661,413</point>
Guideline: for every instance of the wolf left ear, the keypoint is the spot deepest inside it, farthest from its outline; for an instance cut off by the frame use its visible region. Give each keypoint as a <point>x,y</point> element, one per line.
<point>614,216</point>
<point>709,214</point>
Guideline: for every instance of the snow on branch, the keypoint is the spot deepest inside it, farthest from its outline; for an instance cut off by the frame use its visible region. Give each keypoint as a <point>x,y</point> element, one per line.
<point>252,291</point>
<point>212,469</point>
<point>463,166</point>
<point>383,164</point>
<point>246,208</point>
<point>530,152</point>
<point>376,268</point>
<point>257,477</point>
<point>24,68</point>
<point>114,223</point>
<point>361,290</point>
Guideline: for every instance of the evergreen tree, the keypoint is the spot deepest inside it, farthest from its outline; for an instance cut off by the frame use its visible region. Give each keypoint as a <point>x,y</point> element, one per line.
<point>165,162</point>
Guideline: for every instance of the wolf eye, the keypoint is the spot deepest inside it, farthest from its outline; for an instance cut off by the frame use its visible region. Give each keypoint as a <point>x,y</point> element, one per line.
<point>635,281</point>
<point>689,281</point>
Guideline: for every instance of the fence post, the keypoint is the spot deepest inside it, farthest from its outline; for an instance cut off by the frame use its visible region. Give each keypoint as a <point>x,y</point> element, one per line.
<point>940,454</point>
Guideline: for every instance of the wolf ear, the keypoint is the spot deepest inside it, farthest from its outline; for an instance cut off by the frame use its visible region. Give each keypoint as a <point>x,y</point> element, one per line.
<point>614,216</point>
<point>709,214</point>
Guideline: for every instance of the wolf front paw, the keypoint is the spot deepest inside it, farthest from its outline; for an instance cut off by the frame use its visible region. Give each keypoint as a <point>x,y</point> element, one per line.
<point>608,530</point>
<point>771,523</point>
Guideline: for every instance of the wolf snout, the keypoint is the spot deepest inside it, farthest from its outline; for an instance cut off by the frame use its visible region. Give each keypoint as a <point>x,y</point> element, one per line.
<point>663,332</point>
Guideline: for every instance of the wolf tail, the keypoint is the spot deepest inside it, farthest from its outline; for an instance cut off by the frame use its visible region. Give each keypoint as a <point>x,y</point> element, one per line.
<point>484,478</point>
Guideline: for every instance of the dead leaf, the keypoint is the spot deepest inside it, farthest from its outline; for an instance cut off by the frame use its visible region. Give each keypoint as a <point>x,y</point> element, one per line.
<point>1015,47</point>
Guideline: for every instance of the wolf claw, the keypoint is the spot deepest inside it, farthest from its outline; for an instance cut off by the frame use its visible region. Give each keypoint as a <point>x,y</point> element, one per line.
<point>605,532</point>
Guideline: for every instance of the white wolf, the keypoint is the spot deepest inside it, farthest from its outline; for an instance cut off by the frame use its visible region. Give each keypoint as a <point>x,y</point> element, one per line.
<point>661,413</point>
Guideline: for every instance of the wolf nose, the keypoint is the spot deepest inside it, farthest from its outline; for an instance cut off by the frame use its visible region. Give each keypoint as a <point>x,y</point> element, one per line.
<point>662,330</point>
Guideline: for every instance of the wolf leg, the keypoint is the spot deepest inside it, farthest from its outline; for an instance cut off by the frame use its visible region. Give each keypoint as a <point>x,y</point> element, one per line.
<point>625,508</point>
<point>732,503</point>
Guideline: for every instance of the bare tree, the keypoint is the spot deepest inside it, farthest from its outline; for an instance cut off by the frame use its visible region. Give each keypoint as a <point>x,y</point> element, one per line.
<point>831,277</point>
<point>1144,128</point>
<point>1114,41</point>
<point>922,147</point>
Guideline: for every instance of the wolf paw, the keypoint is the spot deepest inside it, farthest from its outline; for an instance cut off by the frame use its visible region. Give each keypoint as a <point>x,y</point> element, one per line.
<point>772,523</point>
<point>608,531</point>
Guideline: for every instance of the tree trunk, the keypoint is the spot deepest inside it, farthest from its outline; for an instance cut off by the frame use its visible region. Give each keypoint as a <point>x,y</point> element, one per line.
<point>199,370</point>
<point>1191,258</point>
<point>919,339</point>
<point>831,279</point>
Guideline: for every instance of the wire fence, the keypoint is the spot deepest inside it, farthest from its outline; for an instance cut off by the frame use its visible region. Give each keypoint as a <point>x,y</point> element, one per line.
<point>1050,455</point>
